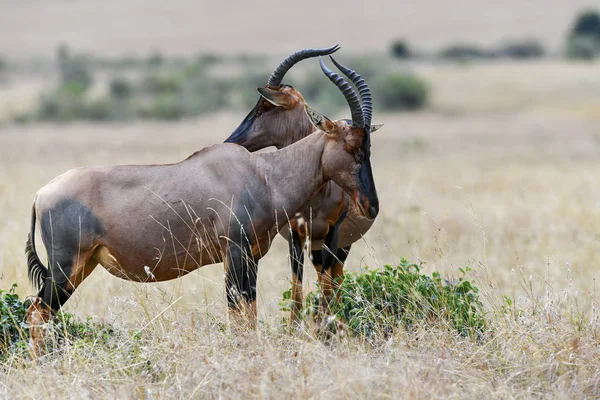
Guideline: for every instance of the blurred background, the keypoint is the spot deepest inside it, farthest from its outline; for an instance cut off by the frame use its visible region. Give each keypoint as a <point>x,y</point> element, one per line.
<point>488,157</point>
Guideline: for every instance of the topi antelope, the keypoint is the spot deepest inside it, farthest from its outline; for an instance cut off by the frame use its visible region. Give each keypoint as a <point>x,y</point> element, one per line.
<point>278,120</point>
<point>150,223</point>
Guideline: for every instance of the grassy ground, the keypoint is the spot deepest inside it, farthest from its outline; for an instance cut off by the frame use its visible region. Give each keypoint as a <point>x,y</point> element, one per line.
<point>500,174</point>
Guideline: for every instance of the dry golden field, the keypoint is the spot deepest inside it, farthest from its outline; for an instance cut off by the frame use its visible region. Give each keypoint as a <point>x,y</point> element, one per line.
<point>501,174</point>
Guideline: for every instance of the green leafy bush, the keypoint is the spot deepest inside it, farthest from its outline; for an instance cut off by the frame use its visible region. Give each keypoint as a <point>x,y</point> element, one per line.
<point>120,87</point>
<point>74,70</point>
<point>12,320</point>
<point>583,41</point>
<point>375,302</point>
<point>162,83</point>
<point>522,49</point>
<point>587,24</point>
<point>582,48</point>
<point>65,327</point>
<point>464,52</point>
<point>156,59</point>
<point>400,91</point>
<point>63,104</point>
<point>400,49</point>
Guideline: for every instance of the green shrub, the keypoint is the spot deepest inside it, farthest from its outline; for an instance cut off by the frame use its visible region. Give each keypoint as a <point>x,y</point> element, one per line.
<point>156,59</point>
<point>583,41</point>
<point>164,107</point>
<point>74,70</point>
<point>464,51</point>
<point>208,59</point>
<point>582,48</point>
<point>120,87</point>
<point>12,320</point>
<point>400,49</point>
<point>108,109</point>
<point>400,91</point>
<point>587,24</point>
<point>522,49</point>
<point>14,330</point>
<point>162,83</point>
<point>60,105</point>
<point>375,302</point>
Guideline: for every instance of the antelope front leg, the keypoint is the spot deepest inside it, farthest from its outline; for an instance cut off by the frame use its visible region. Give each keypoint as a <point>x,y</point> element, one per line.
<point>329,259</point>
<point>337,272</point>
<point>240,284</point>
<point>296,246</point>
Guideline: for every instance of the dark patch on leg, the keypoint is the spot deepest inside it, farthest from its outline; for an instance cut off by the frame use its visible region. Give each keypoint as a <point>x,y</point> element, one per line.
<point>342,254</point>
<point>55,294</point>
<point>317,259</point>
<point>241,276</point>
<point>242,267</point>
<point>68,227</point>
<point>330,244</point>
<point>68,230</point>
<point>296,255</point>
<point>297,264</point>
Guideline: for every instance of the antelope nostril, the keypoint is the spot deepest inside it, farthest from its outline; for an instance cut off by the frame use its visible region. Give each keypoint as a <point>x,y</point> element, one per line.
<point>373,212</point>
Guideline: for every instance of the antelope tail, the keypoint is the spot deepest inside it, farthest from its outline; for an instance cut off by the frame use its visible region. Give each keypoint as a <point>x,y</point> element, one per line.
<point>37,271</point>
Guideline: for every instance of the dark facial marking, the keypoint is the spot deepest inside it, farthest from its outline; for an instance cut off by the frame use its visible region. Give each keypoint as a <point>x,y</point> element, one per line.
<point>245,128</point>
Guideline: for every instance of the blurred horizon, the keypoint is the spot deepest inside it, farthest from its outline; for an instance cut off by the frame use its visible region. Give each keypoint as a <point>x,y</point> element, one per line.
<point>136,27</point>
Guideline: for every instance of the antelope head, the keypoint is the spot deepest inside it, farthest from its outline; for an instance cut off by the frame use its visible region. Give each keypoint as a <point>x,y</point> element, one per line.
<point>278,118</point>
<point>348,142</point>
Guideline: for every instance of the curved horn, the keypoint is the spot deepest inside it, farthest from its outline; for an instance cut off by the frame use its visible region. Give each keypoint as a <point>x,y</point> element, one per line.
<point>349,93</point>
<point>363,90</point>
<point>279,72</point>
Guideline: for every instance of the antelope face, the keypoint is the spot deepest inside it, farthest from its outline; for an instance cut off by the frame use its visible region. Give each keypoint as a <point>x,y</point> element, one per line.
<point>346,161</point>
<point>277,120</point>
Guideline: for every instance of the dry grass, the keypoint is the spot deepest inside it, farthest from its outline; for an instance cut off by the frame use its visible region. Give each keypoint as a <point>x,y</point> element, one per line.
<point>511,191</point>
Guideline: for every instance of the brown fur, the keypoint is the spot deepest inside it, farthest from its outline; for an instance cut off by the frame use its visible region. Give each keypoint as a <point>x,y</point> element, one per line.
<point>282,110</point>
<point>160,222</point>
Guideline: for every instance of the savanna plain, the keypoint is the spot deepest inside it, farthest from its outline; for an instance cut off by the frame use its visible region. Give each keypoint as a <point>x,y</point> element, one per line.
<point>501,177</point>
<point>499,173</point>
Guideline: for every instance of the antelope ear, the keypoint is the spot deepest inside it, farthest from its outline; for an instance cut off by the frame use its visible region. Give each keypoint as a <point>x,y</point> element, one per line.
<point>319,120</point>
<point>276,97</point>
<point>375,127</point>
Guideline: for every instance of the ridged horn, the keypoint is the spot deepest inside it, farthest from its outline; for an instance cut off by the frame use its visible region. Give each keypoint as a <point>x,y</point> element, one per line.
<point>279,72</point>
<point>349,93</point>
<point>363,90</point>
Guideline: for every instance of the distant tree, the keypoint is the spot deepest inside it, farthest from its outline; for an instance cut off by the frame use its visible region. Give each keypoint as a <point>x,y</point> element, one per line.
<point>120,87</point>
<point>522,49</point>
<point>465,51</point>
<point>587,24</point>
<point>400,49</point>
<point>75,71</point>
<point>397,91</point>
<point>156,59</point>
<point>583,41</point>
<point>582,48</point>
